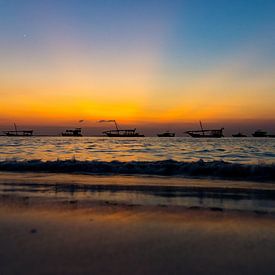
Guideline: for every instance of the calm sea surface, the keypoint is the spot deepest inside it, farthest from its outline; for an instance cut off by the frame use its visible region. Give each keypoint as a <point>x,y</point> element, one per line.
<point>238,150</point>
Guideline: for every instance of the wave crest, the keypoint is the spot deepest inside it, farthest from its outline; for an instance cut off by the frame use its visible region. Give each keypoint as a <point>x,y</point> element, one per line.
<point>215,169</point>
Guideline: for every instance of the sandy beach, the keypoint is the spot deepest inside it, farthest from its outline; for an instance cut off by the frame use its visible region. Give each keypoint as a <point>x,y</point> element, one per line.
<point>64,237</point>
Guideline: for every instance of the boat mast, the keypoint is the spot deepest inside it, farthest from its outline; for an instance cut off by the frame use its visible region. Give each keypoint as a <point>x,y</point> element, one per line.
<point>201,128</point>
<point>15,127</point>
<point>116,125</point>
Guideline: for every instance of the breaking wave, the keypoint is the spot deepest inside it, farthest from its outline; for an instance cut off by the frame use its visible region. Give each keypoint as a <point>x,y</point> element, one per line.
<point>212,169</point>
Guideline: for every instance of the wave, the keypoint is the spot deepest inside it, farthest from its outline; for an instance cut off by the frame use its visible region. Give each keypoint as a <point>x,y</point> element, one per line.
<point>212,169</point>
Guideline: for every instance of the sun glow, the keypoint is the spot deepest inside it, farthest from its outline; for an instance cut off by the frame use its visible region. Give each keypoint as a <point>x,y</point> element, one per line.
<point>130,68</point>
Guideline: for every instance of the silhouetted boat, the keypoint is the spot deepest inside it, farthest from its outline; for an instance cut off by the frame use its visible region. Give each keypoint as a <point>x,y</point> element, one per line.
<point>213,133</point>
<point>21,133</point>
<point>72,133</point>
<point>166,134</point>
<point>259,133</point>
<point>239,135</point>
<point>120,132</point>
<point>123,133</point>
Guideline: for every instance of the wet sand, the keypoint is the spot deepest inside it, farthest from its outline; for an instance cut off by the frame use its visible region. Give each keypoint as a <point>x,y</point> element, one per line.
<point>64,237</point>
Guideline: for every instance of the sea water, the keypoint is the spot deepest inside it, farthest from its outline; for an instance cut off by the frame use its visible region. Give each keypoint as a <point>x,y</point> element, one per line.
<point>163,171</point>
<point>234,150</point>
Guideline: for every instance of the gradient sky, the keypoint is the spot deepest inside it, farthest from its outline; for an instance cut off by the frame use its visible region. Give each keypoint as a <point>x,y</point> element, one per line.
<point>136,61</point>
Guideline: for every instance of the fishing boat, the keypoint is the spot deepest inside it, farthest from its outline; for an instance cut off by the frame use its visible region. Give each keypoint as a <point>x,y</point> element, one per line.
<point>239,135</point>
<point>123,133</point>
<point>213,133</point>
<point>72,133</point>
<point>16,132</point>
<point>260,133</point>
<point>166,134</point>
<point>120,132</point>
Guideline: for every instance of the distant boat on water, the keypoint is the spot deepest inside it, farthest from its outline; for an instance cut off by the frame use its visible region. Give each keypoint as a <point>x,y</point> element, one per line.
<point>239,135</point>
<point>72,133</point>
<point>166,134</point>
<point>212,133</point>
<point>260,133</point>
<point>16,132</point>
<point>120,132</point>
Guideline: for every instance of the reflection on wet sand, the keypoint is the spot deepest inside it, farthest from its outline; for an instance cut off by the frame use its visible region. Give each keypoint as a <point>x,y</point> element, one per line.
<point>83,224</point>
<point>142,190</point>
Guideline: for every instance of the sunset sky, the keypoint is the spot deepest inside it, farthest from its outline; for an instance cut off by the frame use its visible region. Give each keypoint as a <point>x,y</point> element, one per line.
<point>138,62</point>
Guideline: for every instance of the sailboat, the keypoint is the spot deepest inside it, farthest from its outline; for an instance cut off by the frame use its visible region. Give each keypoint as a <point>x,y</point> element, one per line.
<point>212,133</point>
<point>120,132</point>
<point>16,132</point>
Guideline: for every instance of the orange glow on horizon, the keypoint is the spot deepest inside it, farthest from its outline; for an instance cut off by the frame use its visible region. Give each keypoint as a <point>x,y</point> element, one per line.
<point>133,88</point>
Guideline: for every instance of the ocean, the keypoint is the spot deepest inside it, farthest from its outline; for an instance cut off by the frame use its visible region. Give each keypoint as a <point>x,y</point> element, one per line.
<point>234,173</point>
<point>234,150</point>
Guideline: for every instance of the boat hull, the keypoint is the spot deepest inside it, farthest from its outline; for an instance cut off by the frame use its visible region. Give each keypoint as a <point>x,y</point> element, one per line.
<point>121,135</point>
<point>66,135</point>
<point>166,135</point>
<point>72,133</point>
<point>206,133</point>
<point>239,135</point>
<point>18,133</point>
<point>257,135</point>
<point>205,136</point>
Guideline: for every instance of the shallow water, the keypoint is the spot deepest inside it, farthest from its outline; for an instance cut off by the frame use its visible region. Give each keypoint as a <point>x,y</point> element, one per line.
<point>236,150</point>
<point>140,190</point>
